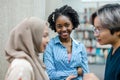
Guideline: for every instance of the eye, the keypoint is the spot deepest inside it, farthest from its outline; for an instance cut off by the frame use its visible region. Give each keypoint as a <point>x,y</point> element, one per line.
<point>100,28</point>
<point>45,35</point>
<point>67,25</point>
<point>58,26</point>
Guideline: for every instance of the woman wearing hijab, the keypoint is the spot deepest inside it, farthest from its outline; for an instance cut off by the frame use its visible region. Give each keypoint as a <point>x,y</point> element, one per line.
<point>22,51</point>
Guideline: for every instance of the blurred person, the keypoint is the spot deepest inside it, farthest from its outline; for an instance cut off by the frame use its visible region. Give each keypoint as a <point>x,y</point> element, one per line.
<point>65,58</point>
<point>45,40</point>
<point>22,50</point>
<point>106,21</point>
<point>90,76</point>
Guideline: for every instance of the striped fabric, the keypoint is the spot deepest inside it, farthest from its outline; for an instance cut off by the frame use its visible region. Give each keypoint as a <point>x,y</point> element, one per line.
<point>56,59</point>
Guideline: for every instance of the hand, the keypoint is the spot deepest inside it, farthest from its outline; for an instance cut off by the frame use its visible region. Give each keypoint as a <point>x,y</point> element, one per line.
<point>90,76</point>
<point>71,77</point>
<point>79,71</point>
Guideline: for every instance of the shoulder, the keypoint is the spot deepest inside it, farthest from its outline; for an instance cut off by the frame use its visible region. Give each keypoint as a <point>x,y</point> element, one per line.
<point>54,40</point>
<point>19,69</point>
<point>78,43</point>
<point>79,46</point>
<point>21,64</point>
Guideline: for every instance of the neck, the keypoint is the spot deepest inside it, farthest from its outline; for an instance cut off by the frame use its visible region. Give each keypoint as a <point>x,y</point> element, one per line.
<point>65,40</point>
<point>115,46</point>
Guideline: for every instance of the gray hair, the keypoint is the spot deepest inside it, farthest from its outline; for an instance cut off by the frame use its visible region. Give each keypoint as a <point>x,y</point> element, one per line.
<point>109,16</point>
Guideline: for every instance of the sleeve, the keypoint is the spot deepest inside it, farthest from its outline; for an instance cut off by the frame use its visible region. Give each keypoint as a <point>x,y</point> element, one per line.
<point>84,61</point>
<point>51,70</point>
<point>19,72</point>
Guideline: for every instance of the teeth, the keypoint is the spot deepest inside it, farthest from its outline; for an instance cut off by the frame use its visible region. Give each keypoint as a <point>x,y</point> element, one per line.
<point>64,33</point>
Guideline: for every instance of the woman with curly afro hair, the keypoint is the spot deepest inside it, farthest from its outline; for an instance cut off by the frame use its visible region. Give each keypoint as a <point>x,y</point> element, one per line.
<point>65,58</point>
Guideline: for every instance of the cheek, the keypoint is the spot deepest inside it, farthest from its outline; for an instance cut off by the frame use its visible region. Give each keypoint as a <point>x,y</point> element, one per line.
<point>42,43</point>
<point>102,36</point>
<point>57,30</point>
<point>45,41</point>
<point>70,29</point>
<point>105,35</point>
<point>106,38</point>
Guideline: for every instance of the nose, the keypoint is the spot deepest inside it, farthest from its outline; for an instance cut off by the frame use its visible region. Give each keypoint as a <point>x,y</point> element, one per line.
<point>64,28</point>
<point>96,34</point>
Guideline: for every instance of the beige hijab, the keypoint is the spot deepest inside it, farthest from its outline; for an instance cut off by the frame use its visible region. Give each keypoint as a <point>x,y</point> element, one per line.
<point>24,42</point>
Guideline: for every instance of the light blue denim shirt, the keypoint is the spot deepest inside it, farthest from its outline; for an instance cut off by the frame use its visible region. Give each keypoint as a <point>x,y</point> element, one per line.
<point>56,60</point>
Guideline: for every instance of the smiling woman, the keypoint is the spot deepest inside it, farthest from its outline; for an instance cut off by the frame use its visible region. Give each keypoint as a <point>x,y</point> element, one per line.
<point>65,58</point>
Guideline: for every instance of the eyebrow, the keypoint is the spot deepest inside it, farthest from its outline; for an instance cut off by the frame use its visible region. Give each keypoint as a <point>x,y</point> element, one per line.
<point>99,26</point>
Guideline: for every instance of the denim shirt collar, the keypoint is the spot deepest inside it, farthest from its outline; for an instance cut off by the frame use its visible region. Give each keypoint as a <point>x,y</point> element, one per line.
<point>57,40</point>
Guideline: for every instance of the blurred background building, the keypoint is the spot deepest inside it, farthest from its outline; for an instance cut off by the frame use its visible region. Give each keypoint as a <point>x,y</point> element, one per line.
<point>13,11</point>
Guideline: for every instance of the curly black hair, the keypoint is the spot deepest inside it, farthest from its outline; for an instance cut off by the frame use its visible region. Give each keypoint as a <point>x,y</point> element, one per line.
<point>66,11</point>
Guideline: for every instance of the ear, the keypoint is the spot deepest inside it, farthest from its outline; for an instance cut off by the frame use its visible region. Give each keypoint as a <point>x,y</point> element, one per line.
<point>118,34</point>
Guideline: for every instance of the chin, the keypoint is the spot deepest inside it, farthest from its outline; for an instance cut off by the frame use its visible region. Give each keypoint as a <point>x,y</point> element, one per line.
<point>65,37</point>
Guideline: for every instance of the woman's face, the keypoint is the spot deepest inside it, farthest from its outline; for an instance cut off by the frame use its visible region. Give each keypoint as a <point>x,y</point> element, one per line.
<point>103,35</point>
<point>45,38</point>
<point>64,27</point>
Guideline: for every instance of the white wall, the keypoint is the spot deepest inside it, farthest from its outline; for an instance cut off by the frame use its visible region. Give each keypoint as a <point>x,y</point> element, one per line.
<point>51,5</point>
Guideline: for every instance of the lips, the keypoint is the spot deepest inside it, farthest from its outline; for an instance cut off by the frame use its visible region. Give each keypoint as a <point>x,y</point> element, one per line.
<point>98,40</point>
<point>64,34</point>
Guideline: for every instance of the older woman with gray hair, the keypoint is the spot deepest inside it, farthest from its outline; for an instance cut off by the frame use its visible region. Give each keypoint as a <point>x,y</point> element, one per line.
<point>106,21</point>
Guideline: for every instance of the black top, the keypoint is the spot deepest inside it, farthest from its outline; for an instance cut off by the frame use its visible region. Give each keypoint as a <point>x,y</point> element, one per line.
<point>112,70</point>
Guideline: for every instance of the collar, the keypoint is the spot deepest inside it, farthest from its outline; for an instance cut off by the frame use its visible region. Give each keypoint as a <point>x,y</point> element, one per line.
<point>57,40</point>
